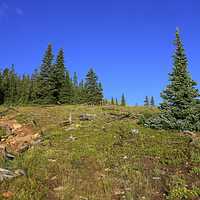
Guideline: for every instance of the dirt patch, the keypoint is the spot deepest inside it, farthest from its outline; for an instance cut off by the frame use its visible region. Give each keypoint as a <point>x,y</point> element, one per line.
<point>19,137</point>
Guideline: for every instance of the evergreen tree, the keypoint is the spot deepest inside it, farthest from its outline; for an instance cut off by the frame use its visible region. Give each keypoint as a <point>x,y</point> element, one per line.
<point>112,101</point>
<point>116,102</point>
<point>123,101</point>
<point>58,80</point>
<point>34,87</point>
<point>75,80</point>
<point>179,109</point>
<point>66,93</point>
<point>94,91</point>
<point>24,90</point>
<point>45,90</point>
<point>80,96</point>
<point>180,96</point>
<point>152,102</point>
<point>146,101</point>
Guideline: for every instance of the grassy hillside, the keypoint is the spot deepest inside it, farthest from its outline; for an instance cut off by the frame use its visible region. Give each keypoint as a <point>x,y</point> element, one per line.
<point>109,157</point>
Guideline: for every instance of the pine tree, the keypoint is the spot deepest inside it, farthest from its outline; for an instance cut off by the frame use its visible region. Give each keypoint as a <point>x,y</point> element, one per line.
<point>66,93</point>
<point>146,101</point>
<point>24,90</point>
<point>34,86</point>
<point>75,80</point>
<point>58,79</point>
<point>94,91</point>
<point>80,97</point>
<point>116,102</point>
<point>152,102</point>
<point>45,90</point>
<point>180,96</point>
<point>112,101</point>
<point>123,101</point>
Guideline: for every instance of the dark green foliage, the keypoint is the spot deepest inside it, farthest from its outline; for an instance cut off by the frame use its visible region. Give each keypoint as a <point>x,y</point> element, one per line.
<point>45,86</point>
<point>152,102</point>
<point>146,101</point>
<point>123,100</point>
<point>112,101</point>
<point>93,89</point>
<point>179,109</point>
<point>34,85</point>
<point>116,102</point>
<point>75,80</point>
<point>66,92</point>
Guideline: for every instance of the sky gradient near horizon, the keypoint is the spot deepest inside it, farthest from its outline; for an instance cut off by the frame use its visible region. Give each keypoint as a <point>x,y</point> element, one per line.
<point>129,43</point>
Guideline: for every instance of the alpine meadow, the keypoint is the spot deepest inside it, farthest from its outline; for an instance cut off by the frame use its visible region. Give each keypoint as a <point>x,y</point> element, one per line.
<point>72,133</point>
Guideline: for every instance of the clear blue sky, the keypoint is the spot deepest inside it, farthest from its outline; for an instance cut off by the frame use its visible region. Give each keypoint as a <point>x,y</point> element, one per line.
<point>128,42</point>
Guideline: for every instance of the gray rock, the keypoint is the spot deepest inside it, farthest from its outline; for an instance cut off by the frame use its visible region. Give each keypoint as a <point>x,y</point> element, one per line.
<point>8,174</point>
<point>87,117</point>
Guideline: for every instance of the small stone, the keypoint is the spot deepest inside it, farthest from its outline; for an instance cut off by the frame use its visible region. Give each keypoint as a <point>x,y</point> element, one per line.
<point>72,138</point>
<point>52,160</point>
<point>125,157</point>
<point>87,117</point>
<point>134,131</point>
<point>20,172</point>
<point>156,178</point>
<point>57,189</point>
<point>53,178</point>
<point>7,194</point>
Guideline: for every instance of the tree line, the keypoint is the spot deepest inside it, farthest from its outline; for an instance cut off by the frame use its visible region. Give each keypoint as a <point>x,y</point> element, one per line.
<point>50,84</point>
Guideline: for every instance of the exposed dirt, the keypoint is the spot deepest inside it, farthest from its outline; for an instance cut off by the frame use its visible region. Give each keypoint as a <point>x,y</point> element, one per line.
<point>19,136</point>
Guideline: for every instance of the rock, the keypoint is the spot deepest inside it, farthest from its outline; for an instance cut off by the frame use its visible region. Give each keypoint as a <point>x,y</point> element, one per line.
<point>7,194</point>
<point>87,117</point>
<point>16,126</point>
<point>53,178</point>
<point>156,178</point>
<point>125,157</point>
<point>58,189</point>
<point>134,131</point>
<point>24,148</point>
<point>195,142</point>
<point>52,160</point>
<point>8,155</point>
<point>20,172</point>
<point>83,198</point>
<point>190,133</point>
<point>70,129</point>
<point>8,174</point>
<point>72,138</point>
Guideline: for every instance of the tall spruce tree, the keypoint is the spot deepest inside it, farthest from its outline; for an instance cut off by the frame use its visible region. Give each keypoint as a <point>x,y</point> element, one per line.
<point>180,96</point>
<point>66,93</point>
<point>75,80</point>
<point>45,90</point>
<point>116,102</point>
<point>94,91</point>
<point>152,102</point>
<point>146,101</point>
<point>123,100</point>
<point>179,109</point>
<point>58,80</point>
<point>34,86</point>
<point>112,101</point>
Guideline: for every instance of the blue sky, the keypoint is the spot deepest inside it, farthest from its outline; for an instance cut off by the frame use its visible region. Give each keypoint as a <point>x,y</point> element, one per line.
<point>128,42</point>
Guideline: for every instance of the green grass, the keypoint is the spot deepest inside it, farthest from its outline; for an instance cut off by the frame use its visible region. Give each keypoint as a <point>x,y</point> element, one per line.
<point>105,161</point>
